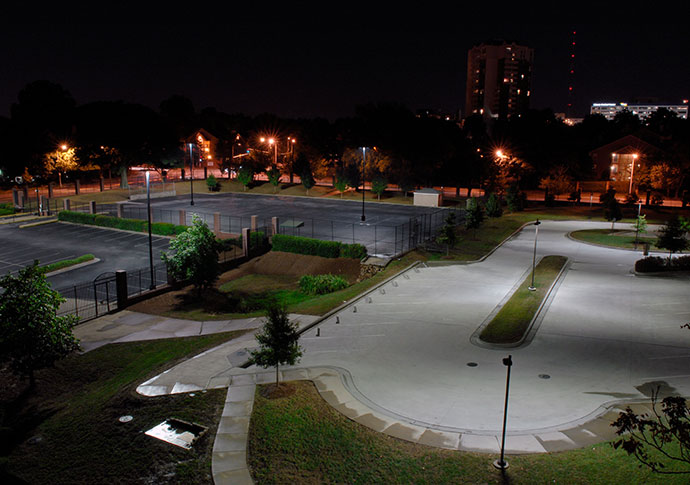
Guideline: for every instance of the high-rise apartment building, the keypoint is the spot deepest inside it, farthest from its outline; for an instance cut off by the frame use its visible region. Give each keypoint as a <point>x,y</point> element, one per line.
<point>499,77</point>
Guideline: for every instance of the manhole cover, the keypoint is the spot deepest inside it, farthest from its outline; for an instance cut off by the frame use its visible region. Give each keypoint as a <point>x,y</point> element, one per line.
<point>544,376</point>
<point>125,419</point>
<point>472,364</point>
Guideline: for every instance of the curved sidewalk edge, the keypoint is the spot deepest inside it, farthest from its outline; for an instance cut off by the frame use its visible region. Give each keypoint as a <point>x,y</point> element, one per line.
<point>229,461</point>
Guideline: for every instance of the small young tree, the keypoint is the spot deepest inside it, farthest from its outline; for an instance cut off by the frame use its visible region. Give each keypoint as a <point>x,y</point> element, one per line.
<point>612,208</point>
<point>515,198</point>
<point>341,184</point>
<point>671,237</point>
<point>307,179</point>
<point>666,431</point>
<point>379,186</point>
<point>245,176</point>
<point>212,183</point>
<point>278,340</point>
<point>474,215</point>
<point>32,336</point>
<point>195,256</point>
<point>447,235</point>
<point>274,177</point>
<point>493,206</point>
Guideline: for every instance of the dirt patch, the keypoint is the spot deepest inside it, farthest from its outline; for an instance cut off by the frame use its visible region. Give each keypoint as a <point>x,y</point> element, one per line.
<point>282,389</point>
<point>280,263</point>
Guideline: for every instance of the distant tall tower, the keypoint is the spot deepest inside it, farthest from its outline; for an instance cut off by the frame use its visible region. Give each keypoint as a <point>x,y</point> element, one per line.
<point>571,77</point>
<point>499,75</point>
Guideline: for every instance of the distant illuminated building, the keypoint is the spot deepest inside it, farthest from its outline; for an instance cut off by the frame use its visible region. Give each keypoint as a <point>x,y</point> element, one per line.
<point>610,110</point>
<point>499,75</point>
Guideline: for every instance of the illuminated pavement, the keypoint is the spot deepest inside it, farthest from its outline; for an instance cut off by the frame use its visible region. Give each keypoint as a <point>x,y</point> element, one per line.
<point>397,360</point>
<point>606,336</point>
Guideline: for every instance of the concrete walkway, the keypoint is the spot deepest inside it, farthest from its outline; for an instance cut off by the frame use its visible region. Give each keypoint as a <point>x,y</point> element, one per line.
<point>401,361</point>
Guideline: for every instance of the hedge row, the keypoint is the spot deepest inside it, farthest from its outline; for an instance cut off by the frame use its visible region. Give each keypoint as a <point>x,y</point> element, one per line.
<point>316,247</point>
<point>321,284</point>
<point>138,225</point>
<point>656,264</point>
<point>6,209</point>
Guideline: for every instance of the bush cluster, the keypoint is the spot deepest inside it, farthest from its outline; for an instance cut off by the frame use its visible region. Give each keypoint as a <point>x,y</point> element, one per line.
<point>321,284</point>
<point>316,247</point>
<point>656,264</point>
<point>138,225</point>
<point>6,209</point>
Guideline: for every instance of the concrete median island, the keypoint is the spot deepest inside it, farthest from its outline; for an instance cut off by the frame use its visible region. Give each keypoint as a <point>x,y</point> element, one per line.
<point>512,321</point>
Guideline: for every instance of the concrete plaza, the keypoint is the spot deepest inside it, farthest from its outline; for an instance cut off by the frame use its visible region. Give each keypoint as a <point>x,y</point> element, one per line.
<point>397,358</point>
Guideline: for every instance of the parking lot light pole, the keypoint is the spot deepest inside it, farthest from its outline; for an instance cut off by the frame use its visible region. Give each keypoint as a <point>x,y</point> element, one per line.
<point>148,210</point>
<point>501,463</point>
<point>534,255</point>
<point>364,157</point>
<point>191,174</point>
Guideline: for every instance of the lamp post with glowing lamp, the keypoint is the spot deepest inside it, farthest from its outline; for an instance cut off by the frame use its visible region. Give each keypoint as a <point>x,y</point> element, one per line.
<point>632,172</point>
<point>191,174</point>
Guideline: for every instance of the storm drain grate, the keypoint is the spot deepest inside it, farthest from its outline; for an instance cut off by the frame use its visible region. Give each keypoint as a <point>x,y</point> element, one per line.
<point>177,432</point>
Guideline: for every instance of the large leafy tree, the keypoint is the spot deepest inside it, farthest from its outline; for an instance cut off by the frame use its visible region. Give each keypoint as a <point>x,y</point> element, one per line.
<point>278,340</point>
<point>42,119</point>
<point>195,256</point>
<point>32,335</point>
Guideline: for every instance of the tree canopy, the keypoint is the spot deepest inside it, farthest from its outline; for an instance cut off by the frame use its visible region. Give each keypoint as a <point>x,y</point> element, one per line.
<point>32,335</point>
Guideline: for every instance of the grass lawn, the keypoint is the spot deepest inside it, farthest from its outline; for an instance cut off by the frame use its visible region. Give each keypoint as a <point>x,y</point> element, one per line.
<point>73,413</point>
<point>513,319</point>
<point>618,238</point>
<point>301,439</point>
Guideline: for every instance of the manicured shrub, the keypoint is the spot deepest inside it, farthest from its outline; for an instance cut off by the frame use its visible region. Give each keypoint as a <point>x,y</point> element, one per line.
<point>353,251</point>
<point>651,264</point>
<point>321,284</point>
<point>78,217</point>
<point>137,225</point>
<point>305,245</point>
<point>6,209</point>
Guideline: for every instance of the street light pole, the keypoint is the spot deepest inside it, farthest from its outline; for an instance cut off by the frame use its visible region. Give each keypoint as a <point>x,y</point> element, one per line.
<point>534,255</point>
<point>364,156</point>
<point>632,172</point>
<point>148,210</point>
<point>191,174</point>
<point>501,464</point>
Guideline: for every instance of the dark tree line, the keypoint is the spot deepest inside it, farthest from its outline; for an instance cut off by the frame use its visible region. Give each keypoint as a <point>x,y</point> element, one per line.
<point>406,150</point>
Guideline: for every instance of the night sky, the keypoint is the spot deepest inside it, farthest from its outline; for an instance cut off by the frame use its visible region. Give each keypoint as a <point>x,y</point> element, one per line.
<point>323,66</point>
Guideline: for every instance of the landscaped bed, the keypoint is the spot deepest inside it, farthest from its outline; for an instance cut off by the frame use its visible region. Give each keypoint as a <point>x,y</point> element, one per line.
<point>66,430</point>
<point>513,319</point>
<point>299,438</point>
<point>245,291</point>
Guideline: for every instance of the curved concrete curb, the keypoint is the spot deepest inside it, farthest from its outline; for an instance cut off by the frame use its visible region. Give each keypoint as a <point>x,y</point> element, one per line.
<point>496,248</point>
<point>336,387</point>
